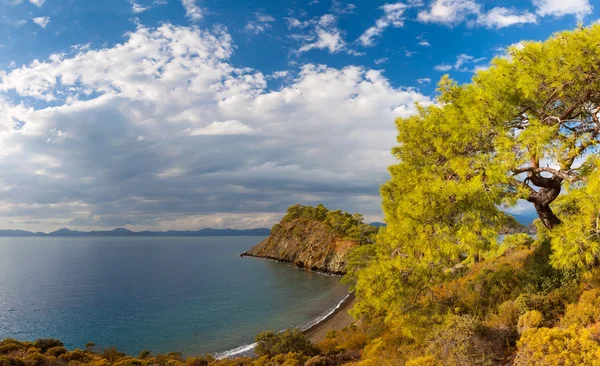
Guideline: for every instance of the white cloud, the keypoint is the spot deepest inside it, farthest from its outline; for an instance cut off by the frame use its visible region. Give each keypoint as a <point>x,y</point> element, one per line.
<point>443,67</point>
<point>453,12</point>
<point>559,8</point>
<point>424,81</point>
<point>37,3</point>
<point>461,63</point>
<point>232,127</point>
<point>500,17</point>
<point>41,21</point>
<point>449,12</point>
<point>424,43</point>
<point>339,7</point>
<point>505,52</point>
<point>137,8</point>
<point>192,11</point>
<point>260,23</point>
<point>325,135</point>
<point>324,35</point>
<point>392,16</point>
<point>279,74</point>
<point>380,61</point>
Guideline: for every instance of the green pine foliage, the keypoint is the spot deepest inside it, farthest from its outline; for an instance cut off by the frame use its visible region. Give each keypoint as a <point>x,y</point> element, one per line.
<point>347,225</point>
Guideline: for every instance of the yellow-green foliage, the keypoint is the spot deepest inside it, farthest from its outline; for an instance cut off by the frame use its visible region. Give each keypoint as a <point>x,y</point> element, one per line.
<point>555,346</point>
<point>344,224</point>
<point>290,341</point>
<point>584,312</point>
<point>531,319</point>
<point>576,243</point>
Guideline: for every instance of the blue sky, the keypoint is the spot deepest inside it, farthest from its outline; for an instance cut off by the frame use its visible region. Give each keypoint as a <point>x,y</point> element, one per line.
<point>181,114</point>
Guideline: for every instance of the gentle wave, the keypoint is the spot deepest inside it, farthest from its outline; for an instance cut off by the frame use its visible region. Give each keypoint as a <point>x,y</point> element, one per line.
<point>239,351</point>
<point>322,318</point>
<point>248,349</point>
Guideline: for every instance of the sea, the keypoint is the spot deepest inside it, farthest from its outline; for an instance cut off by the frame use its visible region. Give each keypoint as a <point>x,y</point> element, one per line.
<point>193,295</point>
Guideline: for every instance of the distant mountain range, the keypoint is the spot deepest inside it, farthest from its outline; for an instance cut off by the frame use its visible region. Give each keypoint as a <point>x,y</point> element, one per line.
<point>126,232</point>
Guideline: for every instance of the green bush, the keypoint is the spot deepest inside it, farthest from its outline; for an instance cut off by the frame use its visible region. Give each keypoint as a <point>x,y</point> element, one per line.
<point>56,351</point>
<point>76,355</point>
<point>531,319</point>
<point>46,343</point>
<point>290,341</point>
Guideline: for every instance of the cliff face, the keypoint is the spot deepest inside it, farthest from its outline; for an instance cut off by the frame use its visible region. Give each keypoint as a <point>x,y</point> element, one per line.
<point>312,245</point>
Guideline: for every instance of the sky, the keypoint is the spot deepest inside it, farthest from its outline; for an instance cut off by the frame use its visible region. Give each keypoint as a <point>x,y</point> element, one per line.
<point>185,114</point>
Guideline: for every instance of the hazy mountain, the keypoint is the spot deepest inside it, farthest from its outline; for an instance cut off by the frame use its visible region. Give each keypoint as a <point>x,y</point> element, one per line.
<point>126,232</point>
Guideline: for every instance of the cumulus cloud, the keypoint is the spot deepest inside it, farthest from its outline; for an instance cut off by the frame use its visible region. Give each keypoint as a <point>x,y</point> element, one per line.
<point>443,67</point>
<point>559,8</point>
<point>500,17</point>
<point>41,21</point>
<point>463,63</point>
<point>37,3</point>
<point>137,8</point>
<point>449,12</point>
<point>192,11</point>
<point>222,128</point>
<point>323,34</point>
<point>164,131</point>
<point>260,23</point>
<point>453,12</point>
<point>392,17</point>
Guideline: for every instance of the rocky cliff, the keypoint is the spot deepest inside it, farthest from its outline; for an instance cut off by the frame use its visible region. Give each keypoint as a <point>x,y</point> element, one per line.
<point>314,238</point>
<point>311,245</point>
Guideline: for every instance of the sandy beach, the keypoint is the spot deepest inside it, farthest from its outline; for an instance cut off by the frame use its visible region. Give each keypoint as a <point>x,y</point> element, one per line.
<point>336,321</point>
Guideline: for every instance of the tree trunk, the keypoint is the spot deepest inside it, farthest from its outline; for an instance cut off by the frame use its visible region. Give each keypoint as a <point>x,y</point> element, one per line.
<point>543,198</point>
<point>548,218</point>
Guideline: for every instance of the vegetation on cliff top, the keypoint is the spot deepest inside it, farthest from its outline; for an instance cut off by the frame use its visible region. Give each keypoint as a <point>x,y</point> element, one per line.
<point>344,224</point>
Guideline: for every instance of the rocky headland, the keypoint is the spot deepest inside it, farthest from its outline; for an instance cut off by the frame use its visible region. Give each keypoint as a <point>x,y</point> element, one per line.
<point>314,238</point>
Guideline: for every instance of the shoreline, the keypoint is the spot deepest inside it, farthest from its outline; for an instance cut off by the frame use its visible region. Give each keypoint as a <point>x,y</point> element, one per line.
<point>338,319</point>
<point>294,264</point>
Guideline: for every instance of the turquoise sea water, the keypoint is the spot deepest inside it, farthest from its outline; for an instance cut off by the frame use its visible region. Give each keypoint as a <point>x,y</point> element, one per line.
<point>192,295</point>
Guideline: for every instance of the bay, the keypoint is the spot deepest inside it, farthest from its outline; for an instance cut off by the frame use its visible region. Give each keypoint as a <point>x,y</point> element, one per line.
<point>177,294</point>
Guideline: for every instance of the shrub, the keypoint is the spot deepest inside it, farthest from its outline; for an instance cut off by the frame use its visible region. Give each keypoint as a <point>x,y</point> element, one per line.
<point>56,351</point>
<point>47,343</point>
<point>584,312</point>
<point>7,361</point>
<point>289,341</point>
<point>130,361</point>
<point>89,346</point>
<point>36,359</point>
<point>422,361</point>
<point>554,346</point>
<point>76,355</point>
<point>112,354</point>
<point>8,348</point>
<point>531,319</point>
<point>459,341</point>
<point>196,361</point>
<point>143,354</point>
